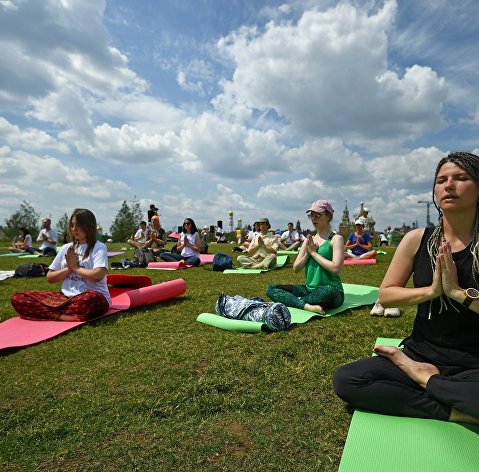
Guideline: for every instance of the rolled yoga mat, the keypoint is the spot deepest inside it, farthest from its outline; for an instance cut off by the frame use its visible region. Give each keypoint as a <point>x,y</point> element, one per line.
<point>18,332</point>
<point>354,296</point>
<point>175,265</point>
<point>382,443</point>
<point>359,261</point>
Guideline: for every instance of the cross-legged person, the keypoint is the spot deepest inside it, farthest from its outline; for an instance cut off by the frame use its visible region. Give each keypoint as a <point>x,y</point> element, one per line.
<point>436,373</point>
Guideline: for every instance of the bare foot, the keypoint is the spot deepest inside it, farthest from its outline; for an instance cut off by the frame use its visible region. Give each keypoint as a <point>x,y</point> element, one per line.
<point>316,308</point>
<point>420,372</point>
<point>460,417</point>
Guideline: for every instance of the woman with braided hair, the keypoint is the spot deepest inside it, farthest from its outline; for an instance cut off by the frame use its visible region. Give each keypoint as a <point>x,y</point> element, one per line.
<point>436,373</point>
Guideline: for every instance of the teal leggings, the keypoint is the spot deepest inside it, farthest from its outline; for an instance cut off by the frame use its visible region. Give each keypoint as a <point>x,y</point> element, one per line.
<point>297,296</point>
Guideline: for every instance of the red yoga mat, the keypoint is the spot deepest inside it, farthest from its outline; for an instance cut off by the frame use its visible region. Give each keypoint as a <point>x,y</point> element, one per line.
<point>359,261</point>
<point>131,291</point>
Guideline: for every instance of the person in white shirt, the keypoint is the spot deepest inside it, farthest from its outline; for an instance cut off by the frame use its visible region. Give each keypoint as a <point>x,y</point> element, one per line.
<point>48,237</point>
<point>290,239</point>
<point>81,266</point>
<point>261,252</point>
<point>139,239</point>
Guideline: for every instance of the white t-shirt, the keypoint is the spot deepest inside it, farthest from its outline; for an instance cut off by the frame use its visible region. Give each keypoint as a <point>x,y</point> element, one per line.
<point>289,236</point>
<point>50,234</point>
<point>73,284</point>
<point>187,251</point>
<point>27,241</point>
<point>140,236</point>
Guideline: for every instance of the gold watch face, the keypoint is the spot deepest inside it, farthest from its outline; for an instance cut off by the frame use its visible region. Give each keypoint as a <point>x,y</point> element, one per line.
<point>472,293</point>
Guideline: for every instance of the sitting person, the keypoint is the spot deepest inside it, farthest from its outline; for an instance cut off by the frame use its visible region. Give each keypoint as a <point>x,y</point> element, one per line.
<point>139,239</point>
<point>290,239</point>
<point>48,237</point>
<point>251,234</point>
<point>82,266</point>
<point>220,236</point>
<point>155,236</point>
<point>262,249</point>
<point>22,242</point>
<point>436,374</point>
<point>359,245</point>
<point>188,246</point>
<point>322,258</point>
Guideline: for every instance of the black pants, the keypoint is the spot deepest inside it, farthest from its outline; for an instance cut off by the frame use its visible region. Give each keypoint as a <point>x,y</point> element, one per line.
<point>376,384</point>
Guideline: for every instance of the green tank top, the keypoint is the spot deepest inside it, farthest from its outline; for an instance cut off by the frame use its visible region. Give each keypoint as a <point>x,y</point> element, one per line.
<point>316,275</point>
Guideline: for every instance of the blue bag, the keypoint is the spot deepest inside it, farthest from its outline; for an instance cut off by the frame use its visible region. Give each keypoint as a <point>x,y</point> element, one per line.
<point>222,262</point>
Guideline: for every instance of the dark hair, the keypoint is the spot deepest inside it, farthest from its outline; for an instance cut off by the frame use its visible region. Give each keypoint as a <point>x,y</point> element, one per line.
<point>290,224</point>
<point>193,228</point>
<point>87,221</point>
<point>24,231</point>
<point>143,223</point>
<point>469,163</point>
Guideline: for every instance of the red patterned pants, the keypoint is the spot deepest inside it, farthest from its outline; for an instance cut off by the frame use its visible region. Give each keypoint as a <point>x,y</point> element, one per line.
<point>33,305</point>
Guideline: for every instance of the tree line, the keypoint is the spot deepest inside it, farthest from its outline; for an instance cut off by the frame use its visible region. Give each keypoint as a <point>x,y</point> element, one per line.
<point>125,223</point>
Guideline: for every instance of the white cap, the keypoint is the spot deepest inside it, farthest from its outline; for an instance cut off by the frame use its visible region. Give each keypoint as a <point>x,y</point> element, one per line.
<point>359,222</point>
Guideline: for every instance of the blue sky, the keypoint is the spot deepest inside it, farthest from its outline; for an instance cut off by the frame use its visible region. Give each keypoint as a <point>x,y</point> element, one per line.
<point>206,106</point>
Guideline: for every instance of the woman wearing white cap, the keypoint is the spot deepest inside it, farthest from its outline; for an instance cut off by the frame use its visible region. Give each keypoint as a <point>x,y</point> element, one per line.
<point>322,258</point>
<point>359,244</point>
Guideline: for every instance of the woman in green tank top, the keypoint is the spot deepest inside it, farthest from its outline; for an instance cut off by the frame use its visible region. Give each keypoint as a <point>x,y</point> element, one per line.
<point>322,257</point>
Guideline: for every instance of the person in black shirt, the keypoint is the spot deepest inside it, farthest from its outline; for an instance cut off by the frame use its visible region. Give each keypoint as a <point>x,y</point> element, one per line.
<point>152,212</point>
<point>436,373</point>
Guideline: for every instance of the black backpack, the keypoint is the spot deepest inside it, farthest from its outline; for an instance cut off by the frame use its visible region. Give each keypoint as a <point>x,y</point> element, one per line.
<point>144,257</point>
<point>31,270</point>
<point>222,262</point>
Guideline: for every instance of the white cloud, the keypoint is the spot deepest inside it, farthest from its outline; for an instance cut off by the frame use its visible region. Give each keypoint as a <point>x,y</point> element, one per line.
<point>328,74</point>
<point>28,138</point>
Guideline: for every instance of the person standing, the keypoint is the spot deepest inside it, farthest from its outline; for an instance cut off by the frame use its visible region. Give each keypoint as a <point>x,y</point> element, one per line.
<point>153,211</point>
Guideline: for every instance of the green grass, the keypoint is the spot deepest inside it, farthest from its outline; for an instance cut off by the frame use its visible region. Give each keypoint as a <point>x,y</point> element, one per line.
<point>152,389</point>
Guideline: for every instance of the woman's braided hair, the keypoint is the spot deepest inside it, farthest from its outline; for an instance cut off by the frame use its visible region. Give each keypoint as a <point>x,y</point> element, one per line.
<point>469,163</point>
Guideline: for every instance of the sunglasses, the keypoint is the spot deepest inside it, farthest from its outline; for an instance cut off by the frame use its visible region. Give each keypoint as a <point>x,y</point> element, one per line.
<point>187,223</point>
<point>313,213</point>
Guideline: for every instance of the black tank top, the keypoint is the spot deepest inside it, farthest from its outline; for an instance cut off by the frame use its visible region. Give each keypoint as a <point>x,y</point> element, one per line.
<point>450,337</point>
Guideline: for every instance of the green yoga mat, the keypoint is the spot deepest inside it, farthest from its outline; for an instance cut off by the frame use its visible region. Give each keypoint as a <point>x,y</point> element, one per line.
<point>280,262</point>
<point>287,251</point>
<point>354,296</point>
<point>382,443</point>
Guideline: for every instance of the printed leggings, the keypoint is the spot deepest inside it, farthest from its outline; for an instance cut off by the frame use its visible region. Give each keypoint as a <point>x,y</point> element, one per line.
<point>35,305</point>
<point>376,384</point>
<point>297,296</point>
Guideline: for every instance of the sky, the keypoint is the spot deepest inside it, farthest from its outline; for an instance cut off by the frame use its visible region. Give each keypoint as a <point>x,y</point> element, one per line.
<point>258,107</point>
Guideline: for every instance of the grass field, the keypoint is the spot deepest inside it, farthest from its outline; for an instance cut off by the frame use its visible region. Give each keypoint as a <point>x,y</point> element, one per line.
<point>152,389</point>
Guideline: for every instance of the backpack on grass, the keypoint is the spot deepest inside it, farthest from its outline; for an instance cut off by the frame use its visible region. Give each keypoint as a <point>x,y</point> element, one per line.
<point>31,269</point>
<point>222,262</point>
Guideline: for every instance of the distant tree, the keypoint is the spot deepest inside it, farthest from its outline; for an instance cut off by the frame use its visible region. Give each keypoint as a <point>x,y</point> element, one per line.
<point>62,228</point>
<point>26,216</point>
<point>123,225</point>
<point>136,212</point>
<point>298,226</point>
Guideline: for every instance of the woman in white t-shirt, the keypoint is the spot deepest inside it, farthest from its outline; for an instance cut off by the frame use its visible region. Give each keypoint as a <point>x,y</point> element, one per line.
<point>188,246</point>
<point>23,241</point>
<point>81,266</point>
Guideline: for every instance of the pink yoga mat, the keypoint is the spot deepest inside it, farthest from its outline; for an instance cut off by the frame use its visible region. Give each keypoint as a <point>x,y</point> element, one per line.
<point>359,261</point>
<point>17,332</point>
<point>204,259</point>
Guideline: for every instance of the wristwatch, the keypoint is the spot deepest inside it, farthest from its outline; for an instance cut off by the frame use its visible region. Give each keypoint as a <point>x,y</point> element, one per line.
<point>471,295</point>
